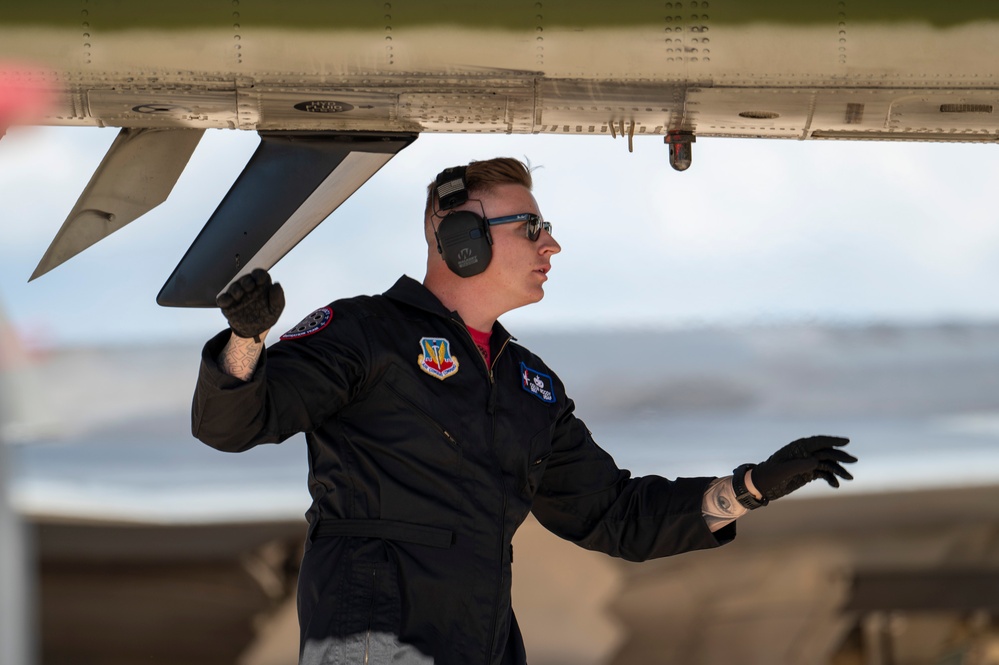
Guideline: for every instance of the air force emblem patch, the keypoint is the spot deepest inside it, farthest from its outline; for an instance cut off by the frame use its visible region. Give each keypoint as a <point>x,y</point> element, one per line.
<point>311,324</point>
<point>537,383</point>
<point>436,359</point>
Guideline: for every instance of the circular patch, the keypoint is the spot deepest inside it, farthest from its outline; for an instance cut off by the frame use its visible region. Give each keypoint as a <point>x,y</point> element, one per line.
<point>311,324</point>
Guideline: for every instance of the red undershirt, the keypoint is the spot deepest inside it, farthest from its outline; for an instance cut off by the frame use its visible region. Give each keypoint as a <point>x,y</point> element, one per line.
<point>481,340</point>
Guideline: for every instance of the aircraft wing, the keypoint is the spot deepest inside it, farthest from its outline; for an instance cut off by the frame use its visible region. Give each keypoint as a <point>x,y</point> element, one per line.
<point>881,70</point>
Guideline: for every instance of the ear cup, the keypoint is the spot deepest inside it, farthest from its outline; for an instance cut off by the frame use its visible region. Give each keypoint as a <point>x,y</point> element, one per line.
<point>464,242</point>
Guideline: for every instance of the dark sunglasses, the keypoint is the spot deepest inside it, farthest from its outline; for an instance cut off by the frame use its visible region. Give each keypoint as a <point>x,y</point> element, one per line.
<point>534,223</point>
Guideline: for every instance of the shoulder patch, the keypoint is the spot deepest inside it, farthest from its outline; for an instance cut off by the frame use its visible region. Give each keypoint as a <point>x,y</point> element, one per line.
<point>311,324</point>
<point>537,383</point>
<point>436,359</point>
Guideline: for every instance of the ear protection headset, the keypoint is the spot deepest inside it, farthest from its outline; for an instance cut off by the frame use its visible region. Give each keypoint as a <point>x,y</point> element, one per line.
<point>463,237</point>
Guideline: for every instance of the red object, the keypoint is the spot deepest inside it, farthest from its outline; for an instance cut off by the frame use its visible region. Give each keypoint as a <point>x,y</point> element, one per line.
<point>24,95</point>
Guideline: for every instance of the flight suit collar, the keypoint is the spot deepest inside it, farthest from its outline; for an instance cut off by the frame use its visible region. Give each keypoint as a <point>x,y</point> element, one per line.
<point>410,292</point>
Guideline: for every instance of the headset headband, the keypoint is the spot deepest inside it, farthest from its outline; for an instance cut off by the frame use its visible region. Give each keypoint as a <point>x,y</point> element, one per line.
<point>451,190</point>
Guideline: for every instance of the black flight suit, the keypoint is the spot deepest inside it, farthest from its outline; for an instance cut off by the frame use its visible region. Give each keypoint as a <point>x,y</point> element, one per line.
<point>422,464</point>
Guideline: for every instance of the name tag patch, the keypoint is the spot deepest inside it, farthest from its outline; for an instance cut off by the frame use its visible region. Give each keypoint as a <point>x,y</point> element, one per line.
<point>436,359</point>
<point>537,383</point>
<point>311,324</point>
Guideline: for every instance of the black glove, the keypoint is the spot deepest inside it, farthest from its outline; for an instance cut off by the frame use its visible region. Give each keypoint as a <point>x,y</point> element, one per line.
<point>800,462</point>
<point>252,304</point>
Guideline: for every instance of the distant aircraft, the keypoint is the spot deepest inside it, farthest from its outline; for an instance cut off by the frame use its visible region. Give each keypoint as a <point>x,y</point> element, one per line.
<point>336,89</point>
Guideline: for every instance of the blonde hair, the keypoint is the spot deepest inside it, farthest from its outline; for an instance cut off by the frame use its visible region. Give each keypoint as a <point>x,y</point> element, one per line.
<point>483,176</point>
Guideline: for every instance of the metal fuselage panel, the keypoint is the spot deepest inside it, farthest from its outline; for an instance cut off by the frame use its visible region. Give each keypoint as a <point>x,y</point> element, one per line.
<point>773,68</point>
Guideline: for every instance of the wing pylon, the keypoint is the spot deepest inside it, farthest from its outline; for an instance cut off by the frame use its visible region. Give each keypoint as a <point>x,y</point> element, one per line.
<point>293,181</point>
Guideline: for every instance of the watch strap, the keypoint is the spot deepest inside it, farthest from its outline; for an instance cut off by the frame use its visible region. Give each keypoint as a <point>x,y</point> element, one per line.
<point>742,493</point>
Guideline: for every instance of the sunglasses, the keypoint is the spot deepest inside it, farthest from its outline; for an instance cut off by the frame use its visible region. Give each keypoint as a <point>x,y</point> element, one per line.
<point>534,223</point>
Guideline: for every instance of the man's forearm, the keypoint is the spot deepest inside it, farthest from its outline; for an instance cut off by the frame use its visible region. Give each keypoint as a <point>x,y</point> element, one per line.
<point>240,356</point>
<point>719,506</point>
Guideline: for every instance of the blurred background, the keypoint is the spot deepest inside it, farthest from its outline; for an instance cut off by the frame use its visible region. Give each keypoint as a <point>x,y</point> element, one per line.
<point>699,319</point>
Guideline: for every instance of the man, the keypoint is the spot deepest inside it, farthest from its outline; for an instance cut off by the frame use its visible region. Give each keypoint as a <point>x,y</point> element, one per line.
<point>431,435</point>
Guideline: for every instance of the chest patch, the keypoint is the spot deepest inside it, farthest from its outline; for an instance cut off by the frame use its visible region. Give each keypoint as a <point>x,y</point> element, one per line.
<point>436,359</point>
<point>311,324</point>
<point>537,383</point>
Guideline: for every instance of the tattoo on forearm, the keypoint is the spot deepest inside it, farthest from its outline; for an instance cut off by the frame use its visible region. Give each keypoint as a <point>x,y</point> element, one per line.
<point>719,506</point>
<point>240,359</point>
<point>723,504</point>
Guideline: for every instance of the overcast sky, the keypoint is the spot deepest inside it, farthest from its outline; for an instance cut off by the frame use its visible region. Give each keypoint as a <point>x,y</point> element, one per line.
<point>755,232</point>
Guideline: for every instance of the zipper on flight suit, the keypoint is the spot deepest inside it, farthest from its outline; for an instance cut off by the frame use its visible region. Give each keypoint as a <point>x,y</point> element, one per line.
<point>491,409</point>
<point>491,404</point>
<point>492,378</point>
<point>492,415</point>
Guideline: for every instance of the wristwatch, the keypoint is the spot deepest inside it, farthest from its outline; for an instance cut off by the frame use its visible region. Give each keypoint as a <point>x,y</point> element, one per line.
<point>742,493</point>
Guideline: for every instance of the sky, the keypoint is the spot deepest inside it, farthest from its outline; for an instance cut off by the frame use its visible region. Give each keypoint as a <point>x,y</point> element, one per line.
<point>756,232</point>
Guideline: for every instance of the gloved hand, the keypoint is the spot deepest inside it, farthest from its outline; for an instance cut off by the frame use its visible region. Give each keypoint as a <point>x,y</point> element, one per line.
<point>252,304</point>
<point>800,462</point>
